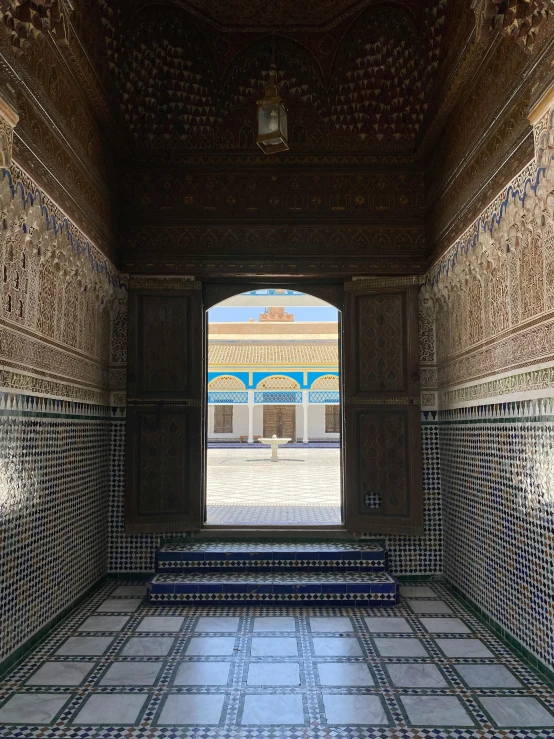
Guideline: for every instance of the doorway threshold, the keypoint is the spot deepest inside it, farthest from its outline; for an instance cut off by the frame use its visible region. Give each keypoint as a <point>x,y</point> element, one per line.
<point>277,532</point>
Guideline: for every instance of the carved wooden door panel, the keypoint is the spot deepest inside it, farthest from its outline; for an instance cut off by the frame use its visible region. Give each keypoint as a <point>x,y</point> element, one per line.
<point>164,443</point>
<point>332,419</point>
<point>280,420</point>
<point>383,467</point>
<point>223,419</point>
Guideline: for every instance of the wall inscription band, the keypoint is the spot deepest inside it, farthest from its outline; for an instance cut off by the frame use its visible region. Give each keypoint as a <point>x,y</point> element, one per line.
<point>400,400</point>
<point>362,283</point>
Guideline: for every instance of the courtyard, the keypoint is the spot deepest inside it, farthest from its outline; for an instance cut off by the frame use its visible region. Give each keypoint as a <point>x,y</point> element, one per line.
<point>245,488</point>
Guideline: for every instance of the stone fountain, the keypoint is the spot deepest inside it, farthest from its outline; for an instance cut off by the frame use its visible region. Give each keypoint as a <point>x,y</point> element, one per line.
<point>275,442</point>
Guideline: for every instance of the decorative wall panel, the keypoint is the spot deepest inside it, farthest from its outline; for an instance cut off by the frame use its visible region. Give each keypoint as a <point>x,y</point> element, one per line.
<point>54,479</point>
<point>408,555</point>
<point>493,290</point>
<point>497,468</point>
<point>60,138</point>
<point>491,295</point>
<point>56,290</point>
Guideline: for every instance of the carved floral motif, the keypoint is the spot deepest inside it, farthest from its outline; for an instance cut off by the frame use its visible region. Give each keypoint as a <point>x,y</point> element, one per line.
<point>56,293</point>
<point>493,291</point>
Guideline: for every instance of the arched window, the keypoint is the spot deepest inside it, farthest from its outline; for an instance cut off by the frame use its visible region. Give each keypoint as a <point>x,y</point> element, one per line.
<point>226,382</point>
<point>327,382</point>
<point>278,382</point>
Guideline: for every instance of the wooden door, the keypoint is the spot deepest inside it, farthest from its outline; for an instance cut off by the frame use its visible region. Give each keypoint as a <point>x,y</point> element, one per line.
<point>383,467</point>
<point>332,419</point>
<point>223,419</point>
<point>164,441</point>
<point>280,420</point>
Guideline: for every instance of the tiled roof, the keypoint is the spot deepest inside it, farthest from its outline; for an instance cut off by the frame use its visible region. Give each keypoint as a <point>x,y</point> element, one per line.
<point>273,353</point>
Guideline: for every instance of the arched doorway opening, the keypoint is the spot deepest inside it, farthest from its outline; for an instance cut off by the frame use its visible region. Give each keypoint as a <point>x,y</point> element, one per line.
<point>273,373</point>
<point>167,404</point>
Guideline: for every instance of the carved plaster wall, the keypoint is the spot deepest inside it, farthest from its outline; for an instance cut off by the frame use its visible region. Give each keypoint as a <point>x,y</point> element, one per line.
<point>492,293</point>
<point>59,299</point>
<point>56,293</point>
<point>489,305</point>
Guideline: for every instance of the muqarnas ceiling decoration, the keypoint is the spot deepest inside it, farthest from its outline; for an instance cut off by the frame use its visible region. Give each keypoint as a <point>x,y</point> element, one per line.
<point>519,19</point>
<point>26,19</point>
<point>174,95</point>
<point>383,74</point>
<point>165,77</point>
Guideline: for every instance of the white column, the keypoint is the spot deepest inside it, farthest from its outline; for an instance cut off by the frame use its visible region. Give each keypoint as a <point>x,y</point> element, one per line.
<point>250,416</point>
<point>211,420</point>
<point>305,440</point>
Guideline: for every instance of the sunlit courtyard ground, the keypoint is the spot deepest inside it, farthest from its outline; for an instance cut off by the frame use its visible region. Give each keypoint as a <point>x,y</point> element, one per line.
<point>245,487</point>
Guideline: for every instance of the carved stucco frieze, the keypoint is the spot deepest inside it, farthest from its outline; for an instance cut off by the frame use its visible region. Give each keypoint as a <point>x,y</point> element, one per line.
<point>493,290</point>
<point>427,351</point>
<point>8,121</point>
<point>52,239</point>
<point>535,381</point>
<point>57,295</point>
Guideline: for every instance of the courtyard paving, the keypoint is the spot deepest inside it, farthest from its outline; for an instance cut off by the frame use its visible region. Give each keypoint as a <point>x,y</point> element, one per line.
<point>245,488</point>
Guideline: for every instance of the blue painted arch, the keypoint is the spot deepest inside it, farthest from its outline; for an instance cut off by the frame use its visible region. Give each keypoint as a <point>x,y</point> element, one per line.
<point>259,376</point>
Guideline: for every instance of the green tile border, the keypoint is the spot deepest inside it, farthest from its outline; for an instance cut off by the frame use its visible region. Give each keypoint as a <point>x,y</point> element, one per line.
<point>43,633</point>
<point>533,662</point>
<point>126,576</point>
<point>496,420</point>
<point>419,578</point>
<point>64,416</point>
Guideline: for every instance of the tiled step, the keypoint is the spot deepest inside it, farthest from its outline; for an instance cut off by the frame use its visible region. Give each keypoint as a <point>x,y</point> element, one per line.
<point>271,557</point>
<point>301,588</point>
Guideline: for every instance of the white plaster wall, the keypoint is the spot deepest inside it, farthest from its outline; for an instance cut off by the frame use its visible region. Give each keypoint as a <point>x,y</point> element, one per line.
<point>316,424</point>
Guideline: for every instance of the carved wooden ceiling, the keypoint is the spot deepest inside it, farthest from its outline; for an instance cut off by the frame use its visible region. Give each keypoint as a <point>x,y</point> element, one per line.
<point>356,76</point>
<point>139,118</point>
<point>282,14</point>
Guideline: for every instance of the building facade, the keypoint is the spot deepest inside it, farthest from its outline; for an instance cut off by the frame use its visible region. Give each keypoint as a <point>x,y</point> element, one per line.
<point>273,376</point>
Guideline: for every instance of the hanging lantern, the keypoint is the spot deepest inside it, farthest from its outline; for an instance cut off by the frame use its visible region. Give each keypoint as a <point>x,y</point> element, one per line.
<point>272,118</point>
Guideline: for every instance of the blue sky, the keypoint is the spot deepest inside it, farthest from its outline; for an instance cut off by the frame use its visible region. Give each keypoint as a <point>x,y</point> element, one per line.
<point>236,313</point>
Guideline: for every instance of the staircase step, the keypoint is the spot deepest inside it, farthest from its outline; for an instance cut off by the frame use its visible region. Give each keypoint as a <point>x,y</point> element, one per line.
<point>271,557</point>
<point>250,588</point>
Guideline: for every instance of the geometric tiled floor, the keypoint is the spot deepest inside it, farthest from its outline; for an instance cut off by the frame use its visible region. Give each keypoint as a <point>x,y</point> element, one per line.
<point>244,487</point>
<point>119,667</point>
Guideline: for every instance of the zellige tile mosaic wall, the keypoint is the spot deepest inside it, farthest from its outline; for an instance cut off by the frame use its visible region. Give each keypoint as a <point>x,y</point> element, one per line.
<point>408,555</point>
<point>489,301</point>
<point>498,498</point>
<point>55,295</point>
<point>53,517</point>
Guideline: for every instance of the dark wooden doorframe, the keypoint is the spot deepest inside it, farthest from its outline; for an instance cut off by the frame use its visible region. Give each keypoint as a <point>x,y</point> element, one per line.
<point>333,292</point>
<point>380,415</point>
